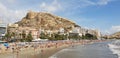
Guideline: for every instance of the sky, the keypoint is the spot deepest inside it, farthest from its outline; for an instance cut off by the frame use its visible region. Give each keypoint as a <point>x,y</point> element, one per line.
<point>103,15</point>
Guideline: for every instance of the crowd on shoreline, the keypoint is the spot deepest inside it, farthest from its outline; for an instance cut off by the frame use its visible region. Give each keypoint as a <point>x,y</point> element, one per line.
<point>18,47</point>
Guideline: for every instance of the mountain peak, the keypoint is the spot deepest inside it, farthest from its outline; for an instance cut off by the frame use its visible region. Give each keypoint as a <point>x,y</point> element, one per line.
<point>46,21</point>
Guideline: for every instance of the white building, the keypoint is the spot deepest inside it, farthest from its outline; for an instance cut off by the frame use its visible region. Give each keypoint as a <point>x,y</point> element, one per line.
<point>3,30</point>
<point>77,30</point>
<point>61,30</point>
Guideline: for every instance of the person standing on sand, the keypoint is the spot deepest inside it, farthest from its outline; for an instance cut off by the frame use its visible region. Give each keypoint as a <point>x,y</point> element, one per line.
<point>0,48</point>
<point>13,48</point>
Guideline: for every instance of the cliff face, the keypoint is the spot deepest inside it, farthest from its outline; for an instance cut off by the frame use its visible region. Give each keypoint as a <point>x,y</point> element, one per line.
<point>45,21</point>
<point>116,35</point>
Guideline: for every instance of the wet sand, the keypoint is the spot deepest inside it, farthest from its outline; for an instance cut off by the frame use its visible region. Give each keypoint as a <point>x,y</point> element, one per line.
<point>48,53</point>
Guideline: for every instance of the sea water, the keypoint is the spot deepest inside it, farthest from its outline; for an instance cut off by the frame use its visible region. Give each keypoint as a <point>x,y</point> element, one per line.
<point>96,50</point>
<point>115,47</point>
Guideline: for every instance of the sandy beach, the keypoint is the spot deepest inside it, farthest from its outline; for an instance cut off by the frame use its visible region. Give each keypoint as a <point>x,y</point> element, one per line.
<point>38,50</point>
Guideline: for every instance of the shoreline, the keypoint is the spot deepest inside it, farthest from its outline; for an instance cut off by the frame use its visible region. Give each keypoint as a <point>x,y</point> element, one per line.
<point>95,50</point>
<point>43,50</point>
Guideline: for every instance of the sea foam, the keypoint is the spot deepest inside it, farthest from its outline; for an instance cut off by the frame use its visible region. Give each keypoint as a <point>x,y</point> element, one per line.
<point>115,47</point>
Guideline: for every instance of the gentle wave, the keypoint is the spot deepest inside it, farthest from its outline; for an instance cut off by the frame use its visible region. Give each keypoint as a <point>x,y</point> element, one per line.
<point>115,48</point>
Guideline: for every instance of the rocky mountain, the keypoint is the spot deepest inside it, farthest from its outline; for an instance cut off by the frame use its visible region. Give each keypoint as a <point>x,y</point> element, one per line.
<point>115,35</point>
<point>45,21</point>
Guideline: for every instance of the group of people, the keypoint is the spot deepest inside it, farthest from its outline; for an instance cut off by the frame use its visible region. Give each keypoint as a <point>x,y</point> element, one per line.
<point>20,46</point>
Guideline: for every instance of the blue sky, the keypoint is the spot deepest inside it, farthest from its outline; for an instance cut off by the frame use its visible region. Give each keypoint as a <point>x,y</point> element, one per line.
<point>96,14</point>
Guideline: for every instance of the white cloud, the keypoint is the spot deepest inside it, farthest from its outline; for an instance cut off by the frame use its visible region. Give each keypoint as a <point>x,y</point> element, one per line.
<point>53,7</point>
<point>11,1</point>
<point>10,16</point>
<point>103,2</point>
<point>112,30</point>
<point>86,3</point>
<point>115,28</point>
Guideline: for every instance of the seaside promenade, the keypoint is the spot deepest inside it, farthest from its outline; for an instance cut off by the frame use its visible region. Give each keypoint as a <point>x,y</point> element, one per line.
<point>45,49</point>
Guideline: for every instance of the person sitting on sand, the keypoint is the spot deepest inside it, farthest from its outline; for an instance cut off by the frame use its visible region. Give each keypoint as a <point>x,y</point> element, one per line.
<point>6,45</point>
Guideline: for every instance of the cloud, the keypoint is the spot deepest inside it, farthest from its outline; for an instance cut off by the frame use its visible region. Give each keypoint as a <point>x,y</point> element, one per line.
<point>103,2</point>
<point>112,30</point>
<point>11,1</point>
<point>53,7</point>
<point>10,16</point>
<point>115,28</point>
<point>86,3</point>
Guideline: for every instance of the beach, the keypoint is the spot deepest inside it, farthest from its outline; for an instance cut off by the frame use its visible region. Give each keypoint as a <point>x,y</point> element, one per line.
<point>40,50</point>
